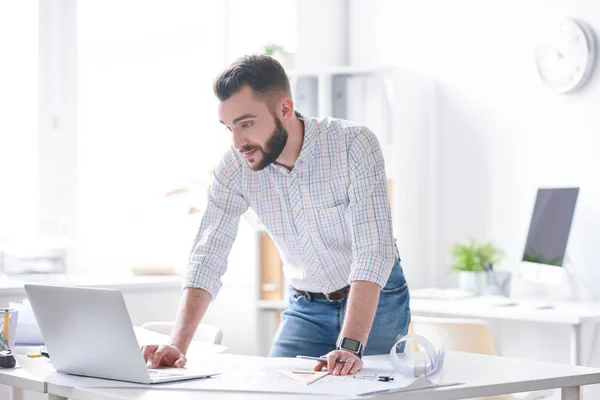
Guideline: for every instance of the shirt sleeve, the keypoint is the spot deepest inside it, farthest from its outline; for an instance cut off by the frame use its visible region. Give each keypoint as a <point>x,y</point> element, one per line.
<point>217,232</point>
<point>369,214</point>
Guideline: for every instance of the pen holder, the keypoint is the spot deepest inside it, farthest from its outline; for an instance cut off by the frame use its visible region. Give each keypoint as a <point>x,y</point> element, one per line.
<point>7,360</point>
<point>8,327</point>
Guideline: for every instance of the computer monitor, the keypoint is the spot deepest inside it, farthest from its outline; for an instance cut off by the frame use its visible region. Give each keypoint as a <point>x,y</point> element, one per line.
<point>550,226</point>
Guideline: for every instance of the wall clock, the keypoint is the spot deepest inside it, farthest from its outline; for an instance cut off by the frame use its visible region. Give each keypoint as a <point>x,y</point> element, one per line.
<point>565,57</point>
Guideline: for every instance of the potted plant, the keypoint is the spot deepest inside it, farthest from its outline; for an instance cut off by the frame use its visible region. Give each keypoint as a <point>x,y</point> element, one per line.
<point>473,261</point>
<point>278,52</point>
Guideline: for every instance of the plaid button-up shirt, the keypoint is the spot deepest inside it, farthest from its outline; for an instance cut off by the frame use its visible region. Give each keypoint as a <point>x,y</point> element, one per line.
<point>329,216</point>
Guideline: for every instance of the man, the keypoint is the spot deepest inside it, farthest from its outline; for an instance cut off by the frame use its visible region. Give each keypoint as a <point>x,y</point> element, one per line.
<point>319,187</point>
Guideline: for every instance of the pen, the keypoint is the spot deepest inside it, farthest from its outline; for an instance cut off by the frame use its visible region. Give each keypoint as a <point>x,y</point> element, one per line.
<point>3,344</point>
<point>320,359</point>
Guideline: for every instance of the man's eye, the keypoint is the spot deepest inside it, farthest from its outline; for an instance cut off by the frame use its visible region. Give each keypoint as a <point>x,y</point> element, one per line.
<point>246,124</point>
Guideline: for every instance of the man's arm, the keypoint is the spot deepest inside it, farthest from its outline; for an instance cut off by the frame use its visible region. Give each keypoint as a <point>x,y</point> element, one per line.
<point>194,303</point>
<point>208,262</point>
<point>373,247</point>
<point>360,313</point>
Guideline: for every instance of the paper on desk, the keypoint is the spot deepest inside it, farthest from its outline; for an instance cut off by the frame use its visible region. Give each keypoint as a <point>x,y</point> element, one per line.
<point>258,374</point>
<point>28,332</point>
<point>39,367</point>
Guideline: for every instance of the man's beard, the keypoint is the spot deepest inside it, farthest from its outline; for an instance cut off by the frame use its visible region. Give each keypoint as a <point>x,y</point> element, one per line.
<point>273,147</point>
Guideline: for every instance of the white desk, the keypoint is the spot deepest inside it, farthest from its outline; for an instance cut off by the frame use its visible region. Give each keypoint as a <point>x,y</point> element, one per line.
<point>21,380</point>
<point>483,376</point>
<point>574,314</point>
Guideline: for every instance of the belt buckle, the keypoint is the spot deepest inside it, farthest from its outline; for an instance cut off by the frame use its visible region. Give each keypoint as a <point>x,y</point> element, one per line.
<point>341,293</point>
<point>328,298</point>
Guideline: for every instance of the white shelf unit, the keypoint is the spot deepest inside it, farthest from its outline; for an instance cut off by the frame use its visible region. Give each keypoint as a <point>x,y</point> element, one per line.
<point>342,92</point>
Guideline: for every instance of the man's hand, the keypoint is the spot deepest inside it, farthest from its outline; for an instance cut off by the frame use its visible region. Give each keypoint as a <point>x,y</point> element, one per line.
<point>163,355</point>
<point>352,365</point>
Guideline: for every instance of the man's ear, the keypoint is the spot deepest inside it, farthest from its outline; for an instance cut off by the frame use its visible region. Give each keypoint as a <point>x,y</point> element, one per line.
<point>286,107</point>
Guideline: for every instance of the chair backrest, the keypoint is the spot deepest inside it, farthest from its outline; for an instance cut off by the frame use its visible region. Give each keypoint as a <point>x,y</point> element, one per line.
<point>205,332</point>
<point>469,335</point>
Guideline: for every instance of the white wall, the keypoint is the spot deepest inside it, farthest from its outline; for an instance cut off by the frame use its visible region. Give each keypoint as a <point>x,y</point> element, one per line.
<point>500,133</point>
<point>253,24</point>
<point>321,41</point>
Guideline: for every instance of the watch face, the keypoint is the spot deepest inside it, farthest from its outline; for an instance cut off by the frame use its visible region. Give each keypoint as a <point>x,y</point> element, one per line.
<point>350,344</point>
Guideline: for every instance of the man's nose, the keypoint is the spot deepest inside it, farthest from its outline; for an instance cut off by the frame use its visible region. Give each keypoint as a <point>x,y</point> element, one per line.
<point>238,140</point>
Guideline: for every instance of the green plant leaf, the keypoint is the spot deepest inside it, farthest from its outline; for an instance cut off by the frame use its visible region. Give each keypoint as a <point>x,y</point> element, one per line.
<point>272,48</point>
<point>474,256</point>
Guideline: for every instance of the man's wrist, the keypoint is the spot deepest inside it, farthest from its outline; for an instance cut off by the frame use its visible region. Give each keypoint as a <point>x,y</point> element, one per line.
<point>351,345</point>
<point>178,347</point>
<point>351,352</point>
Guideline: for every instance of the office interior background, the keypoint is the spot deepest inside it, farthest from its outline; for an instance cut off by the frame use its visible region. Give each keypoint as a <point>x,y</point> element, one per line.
<point>107,111</point>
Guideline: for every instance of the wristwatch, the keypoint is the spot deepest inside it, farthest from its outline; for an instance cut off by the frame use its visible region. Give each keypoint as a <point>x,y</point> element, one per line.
<point>351,345</point>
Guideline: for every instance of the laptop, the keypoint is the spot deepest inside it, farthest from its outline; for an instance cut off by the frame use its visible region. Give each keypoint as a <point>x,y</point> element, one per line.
<point>88,332</point>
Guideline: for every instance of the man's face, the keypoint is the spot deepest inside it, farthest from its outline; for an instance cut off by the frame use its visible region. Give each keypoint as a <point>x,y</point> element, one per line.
<point>256,131</point>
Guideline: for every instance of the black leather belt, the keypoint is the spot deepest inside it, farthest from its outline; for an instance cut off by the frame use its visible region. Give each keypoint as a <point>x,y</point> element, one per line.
<point>333,296</point>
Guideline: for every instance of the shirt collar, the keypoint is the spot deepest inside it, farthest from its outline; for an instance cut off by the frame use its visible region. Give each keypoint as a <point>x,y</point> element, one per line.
<point>308,143</point>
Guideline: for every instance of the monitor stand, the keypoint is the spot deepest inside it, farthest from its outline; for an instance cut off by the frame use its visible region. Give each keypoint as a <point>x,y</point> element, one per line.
<point>545,285</point>
<point>579,289</point>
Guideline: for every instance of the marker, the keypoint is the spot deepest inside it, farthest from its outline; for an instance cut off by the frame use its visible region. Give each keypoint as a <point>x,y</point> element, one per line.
<point>6,330</point>
<point>320,359</point>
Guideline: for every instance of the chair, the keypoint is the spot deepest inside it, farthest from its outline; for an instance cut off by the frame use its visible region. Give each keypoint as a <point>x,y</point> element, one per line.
<point>468,335</point>
<point>204,333</point>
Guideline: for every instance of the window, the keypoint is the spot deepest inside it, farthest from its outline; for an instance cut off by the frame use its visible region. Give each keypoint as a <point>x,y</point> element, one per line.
<point>147,123</point>
<point>107,106</point>
<point>18,123</point>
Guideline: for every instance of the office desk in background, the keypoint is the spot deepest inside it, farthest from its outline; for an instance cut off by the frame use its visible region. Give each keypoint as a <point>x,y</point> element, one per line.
<point>573,314</point>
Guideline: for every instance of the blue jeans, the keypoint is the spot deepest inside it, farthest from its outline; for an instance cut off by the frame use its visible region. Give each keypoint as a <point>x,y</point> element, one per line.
<point>312,327</point>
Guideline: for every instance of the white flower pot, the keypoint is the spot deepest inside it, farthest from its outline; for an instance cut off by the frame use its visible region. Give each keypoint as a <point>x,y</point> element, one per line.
<point>475,282</point>
<point>287,60</point>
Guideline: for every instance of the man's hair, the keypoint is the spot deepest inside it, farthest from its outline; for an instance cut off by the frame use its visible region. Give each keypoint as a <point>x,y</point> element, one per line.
<point>262,73</point>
